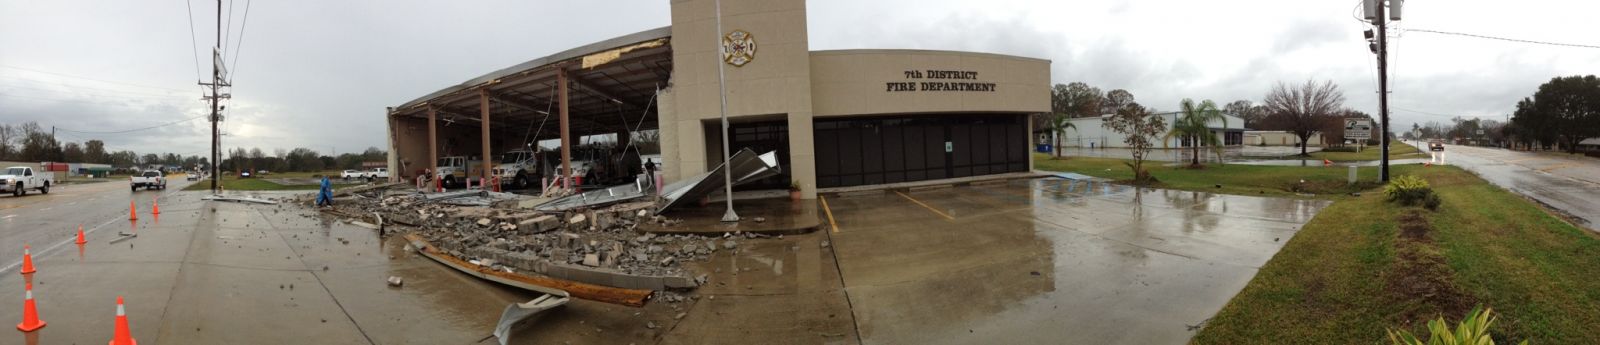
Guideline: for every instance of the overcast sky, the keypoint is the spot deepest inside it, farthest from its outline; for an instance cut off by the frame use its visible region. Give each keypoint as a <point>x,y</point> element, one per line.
<point>318,74</point>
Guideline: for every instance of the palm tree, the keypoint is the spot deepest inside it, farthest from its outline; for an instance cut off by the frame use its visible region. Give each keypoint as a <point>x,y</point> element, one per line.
<point>1193,125</point>
<point>1059,123</point>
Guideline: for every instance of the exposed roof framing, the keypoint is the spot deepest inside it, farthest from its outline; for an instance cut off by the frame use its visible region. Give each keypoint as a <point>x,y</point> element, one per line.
<point>521,96</point>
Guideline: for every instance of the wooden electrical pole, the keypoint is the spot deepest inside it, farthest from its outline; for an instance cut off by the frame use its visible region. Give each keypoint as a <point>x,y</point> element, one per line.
<point>216,85</point>
<point>1383,88</point>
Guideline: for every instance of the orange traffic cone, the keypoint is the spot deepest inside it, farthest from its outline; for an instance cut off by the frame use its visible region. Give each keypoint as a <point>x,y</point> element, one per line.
<point>30,313</point>
<point>123,335</point>
<point>80,235</point>
<point>155,206</point>
<point>27,260</point>
<point>133,211</point>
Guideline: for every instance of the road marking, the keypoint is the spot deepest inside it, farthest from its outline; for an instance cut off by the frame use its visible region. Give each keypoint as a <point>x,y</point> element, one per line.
<point>8,216</point>
<point>829,211</point>
<point>930,208</point>
<point>1558,167</point>
<point>46,209</point>
<point>52,248</point>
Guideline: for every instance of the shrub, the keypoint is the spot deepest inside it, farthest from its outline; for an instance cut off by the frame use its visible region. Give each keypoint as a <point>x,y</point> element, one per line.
<point>1474,329</point>
<point>1410,190</point>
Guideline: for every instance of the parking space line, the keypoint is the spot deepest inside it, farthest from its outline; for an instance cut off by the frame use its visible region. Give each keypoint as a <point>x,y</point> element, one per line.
<point>930,208</point>
<point>828,211</point>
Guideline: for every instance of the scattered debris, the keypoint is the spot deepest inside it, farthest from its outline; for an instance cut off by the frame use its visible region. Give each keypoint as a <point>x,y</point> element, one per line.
<point>238,199</point>
<point>517,312</point>
<point>123,236</point>
<point>395,281</point>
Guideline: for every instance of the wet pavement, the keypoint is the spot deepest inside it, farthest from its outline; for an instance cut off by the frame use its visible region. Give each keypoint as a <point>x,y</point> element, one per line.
<point>1567,183</point>
<point>1052,261</point>
<point>1027,261</point>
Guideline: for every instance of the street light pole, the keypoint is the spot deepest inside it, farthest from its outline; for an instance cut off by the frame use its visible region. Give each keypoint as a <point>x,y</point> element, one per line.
<point>727,156</point>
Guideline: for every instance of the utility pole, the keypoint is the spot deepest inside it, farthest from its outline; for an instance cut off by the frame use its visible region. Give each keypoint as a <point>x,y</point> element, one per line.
<point>216,84</point>
<point>1383,89</point>
<point>1376,12</point>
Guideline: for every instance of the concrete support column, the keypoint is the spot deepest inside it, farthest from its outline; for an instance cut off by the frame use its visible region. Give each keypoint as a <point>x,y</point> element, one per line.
<point>392,159</point>
<point>566,142</point>
<point>483,106</point>
<point>433,140</point>
<point>802,154</point>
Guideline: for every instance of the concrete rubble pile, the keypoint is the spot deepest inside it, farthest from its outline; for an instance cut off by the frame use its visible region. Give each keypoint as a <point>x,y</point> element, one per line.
<point>597,246</point>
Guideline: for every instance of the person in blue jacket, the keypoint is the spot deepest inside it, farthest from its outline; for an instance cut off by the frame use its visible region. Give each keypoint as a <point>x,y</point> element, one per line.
<point>325,195</point>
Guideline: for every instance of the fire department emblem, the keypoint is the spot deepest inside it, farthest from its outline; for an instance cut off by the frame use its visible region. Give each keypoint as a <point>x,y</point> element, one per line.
<point>738,48</point>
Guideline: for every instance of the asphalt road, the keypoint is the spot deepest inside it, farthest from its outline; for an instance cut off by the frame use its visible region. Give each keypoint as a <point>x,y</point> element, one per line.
<point>1567,183</point>
<point>50,221</point>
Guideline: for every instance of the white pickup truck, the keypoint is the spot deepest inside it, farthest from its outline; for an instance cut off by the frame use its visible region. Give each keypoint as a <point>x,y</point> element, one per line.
<point>18,180</point>
<point>149,179</point>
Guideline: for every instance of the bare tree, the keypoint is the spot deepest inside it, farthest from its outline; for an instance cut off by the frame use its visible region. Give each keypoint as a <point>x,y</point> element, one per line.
<point>1304,110</point>
<point>72,152</point>
<point>1139,130</point>
<point>8,137</point>
<point>37,144</point>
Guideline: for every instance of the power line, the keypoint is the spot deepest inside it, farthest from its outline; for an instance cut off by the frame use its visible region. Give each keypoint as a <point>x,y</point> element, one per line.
<point>1505,39</point>
<point>92,79</point>
<point>228,36</point>
<point>194,45</point>
<point>135,129</point>
<point>233,68</point>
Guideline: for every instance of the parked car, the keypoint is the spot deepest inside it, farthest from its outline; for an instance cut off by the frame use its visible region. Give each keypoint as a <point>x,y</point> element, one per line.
<point>192,176</point>
<point>18,180</point>
<point>244,174</point>
<point>350,174</point>
<point>382,173</point>
<point>262,172</point>
<point>149,179</point>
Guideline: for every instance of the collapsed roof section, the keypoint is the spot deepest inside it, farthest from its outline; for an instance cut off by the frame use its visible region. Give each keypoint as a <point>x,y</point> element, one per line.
<point>747,166</point>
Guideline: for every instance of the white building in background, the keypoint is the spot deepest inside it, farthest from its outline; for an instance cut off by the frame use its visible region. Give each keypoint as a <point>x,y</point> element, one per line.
<point>1090,132</point>
<point>1279,138</point>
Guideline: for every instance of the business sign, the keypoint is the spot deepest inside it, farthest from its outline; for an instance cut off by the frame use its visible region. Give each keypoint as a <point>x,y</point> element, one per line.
<point>939,80</point>
<point>1358,129</point>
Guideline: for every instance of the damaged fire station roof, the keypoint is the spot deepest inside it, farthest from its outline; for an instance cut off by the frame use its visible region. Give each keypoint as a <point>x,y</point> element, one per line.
<point>611,83</point>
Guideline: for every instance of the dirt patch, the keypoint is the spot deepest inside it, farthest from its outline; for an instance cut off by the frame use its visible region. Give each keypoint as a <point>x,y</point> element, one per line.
<point>1419,278</point>
<point>1415,228</point>
<point>1329,186</point>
